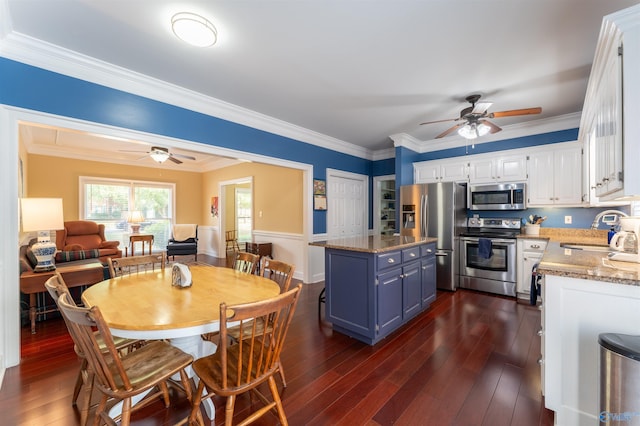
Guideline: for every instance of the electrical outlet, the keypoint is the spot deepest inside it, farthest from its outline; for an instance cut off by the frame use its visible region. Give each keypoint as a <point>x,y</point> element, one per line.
<point>567,219</point>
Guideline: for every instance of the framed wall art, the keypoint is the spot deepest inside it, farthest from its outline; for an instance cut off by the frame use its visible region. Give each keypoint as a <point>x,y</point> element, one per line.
<point>319,194</point>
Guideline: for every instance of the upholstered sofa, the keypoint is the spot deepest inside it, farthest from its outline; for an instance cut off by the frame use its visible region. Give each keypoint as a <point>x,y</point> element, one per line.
<point>80,237</point>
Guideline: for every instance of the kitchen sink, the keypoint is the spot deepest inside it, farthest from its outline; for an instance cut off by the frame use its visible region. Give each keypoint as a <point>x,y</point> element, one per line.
<point>586,247</point>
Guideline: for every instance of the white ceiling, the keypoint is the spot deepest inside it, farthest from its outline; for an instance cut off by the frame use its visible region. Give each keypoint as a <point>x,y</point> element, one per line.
<point>355,71</point>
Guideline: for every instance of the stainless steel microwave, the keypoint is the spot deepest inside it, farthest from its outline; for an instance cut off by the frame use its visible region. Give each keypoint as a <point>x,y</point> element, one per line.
<point>499,196</point>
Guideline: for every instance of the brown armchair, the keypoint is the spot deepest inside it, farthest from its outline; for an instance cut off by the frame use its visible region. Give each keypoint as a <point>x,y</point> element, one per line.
<point>82,235</point>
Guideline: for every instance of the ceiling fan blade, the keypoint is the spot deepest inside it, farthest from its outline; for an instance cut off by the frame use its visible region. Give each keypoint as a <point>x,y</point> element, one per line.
<point>188,157</point>
<point>493,127</point>
<point>440,121</point>
<point>175,160</point>
<point>449,130</point>
<point>481,107</point>
<point>514,112</point>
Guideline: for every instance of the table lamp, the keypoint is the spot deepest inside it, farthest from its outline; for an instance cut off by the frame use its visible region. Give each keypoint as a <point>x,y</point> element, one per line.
<point>135,218</point>
<point>42,215</point>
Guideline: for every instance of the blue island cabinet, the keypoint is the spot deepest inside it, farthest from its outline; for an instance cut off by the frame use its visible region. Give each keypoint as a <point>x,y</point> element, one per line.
<point>369,295</point>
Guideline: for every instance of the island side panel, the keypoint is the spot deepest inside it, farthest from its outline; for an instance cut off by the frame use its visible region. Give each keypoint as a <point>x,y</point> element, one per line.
<point>350,291</point>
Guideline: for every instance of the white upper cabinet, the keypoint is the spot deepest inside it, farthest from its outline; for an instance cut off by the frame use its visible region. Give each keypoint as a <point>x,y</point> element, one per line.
<point>609,128</point>
<point>440,171</point>
<point>505,168</point>
<point>555,175</point>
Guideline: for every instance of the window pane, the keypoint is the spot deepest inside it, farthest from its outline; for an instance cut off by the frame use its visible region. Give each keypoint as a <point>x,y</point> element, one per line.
<point>109,203</point>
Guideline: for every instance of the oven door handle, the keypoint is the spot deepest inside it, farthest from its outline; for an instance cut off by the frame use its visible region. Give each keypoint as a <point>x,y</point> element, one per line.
<point>493,240</point>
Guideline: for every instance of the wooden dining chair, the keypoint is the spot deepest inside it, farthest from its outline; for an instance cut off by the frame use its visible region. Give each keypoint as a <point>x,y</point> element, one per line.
<point>278,271</point>
<point>121,377</point>
<point>231,238</point>
<point>241,367</point>
<point>136,264</point>
<point>246,262</point>
<point>57,287</point>
<point>281,273</point>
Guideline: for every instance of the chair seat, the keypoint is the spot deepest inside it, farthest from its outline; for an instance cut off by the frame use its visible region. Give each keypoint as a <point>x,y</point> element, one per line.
<point>209,369</point>
<point>157,360</point>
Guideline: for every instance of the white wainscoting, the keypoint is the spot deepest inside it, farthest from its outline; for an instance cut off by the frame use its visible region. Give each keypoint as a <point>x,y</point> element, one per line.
<point>208,240</point>
<point>316,260</point>
<point>290,248</point>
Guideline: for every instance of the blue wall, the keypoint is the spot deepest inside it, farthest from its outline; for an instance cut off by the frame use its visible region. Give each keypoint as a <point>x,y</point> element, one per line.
<point>36,89</point>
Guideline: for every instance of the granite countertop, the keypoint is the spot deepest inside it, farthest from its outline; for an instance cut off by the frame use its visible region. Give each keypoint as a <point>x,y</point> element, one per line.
<point>585,264</point>
<point>373,244</point>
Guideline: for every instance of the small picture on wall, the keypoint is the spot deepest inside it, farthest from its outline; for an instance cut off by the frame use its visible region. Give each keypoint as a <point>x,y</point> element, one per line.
<point>319,202</point>
<point>214,206</point>
<point>319,187</point>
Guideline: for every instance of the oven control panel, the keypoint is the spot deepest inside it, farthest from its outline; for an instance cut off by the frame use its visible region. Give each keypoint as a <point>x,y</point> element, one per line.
<point>494,223</point>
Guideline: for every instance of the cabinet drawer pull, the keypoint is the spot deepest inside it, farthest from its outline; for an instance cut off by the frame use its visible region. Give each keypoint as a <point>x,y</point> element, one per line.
<point>429,251</point>
<point>390,260</point>
<point>540,332</point>
<point>535,246</point>
<point>412,255</point>
<point>540,361</point>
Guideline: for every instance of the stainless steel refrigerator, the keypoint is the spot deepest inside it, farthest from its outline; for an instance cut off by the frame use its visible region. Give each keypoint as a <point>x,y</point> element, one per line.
<point>436,210</point>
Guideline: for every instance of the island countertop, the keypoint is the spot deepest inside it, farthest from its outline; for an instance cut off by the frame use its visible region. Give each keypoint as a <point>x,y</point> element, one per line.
<point>589,265</point>
<point>373,244</point>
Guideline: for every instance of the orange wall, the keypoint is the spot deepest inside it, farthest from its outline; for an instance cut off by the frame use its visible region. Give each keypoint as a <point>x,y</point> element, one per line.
<point>277,191</point>
<point>59,177</point>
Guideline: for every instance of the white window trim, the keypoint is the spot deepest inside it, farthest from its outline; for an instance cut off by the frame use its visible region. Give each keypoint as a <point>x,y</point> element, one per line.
<point>84,180</point>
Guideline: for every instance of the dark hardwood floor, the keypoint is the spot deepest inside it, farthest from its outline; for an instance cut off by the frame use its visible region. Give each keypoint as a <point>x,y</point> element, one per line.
<point>471,359</point>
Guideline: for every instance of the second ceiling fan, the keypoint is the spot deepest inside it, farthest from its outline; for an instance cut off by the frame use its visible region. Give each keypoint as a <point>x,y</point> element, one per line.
<point>473,119</point>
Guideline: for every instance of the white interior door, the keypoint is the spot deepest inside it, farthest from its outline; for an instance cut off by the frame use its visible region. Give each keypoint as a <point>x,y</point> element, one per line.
<point>347,204</point>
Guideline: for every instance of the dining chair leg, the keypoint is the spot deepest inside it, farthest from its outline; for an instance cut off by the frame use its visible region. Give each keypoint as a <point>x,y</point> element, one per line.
<point>79,382</point>
<point>278,401</point>
<point>195,418</point>
<point>125,417</point>
<point>228,412</point>
<point>281,371</point>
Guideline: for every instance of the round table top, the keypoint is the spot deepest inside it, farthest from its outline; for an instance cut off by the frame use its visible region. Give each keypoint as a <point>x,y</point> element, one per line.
<point>146,305</point>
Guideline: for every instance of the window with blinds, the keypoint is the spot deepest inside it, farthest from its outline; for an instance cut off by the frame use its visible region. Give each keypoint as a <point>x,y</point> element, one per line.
<point>115,203</point>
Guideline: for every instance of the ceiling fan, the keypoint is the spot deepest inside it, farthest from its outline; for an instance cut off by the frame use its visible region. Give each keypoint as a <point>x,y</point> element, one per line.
<point>474,119</point>
<point>161,154</point>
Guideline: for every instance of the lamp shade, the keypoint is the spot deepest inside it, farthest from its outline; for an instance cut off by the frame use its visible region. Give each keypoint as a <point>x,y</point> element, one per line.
<point>41,214</point>
<point>135,217</point>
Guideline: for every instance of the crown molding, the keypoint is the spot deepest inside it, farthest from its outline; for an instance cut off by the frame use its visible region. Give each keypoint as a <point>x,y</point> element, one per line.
<point>529,128</point>
<point>41,54</point>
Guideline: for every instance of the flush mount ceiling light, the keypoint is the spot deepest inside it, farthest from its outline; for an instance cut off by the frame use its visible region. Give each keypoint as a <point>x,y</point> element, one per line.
<point>194,29</point>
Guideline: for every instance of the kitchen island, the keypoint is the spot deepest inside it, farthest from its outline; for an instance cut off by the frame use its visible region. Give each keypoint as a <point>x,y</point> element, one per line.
<point>584,294</point>
<point>376,284</point>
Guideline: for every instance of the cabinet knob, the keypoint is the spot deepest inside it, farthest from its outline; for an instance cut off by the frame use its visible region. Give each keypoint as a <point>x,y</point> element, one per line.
<point>540,332</point>
<point>412,255</point>
<point>429,251</point>
<point>402,275</point>
<point>390,260</point>
<point>540,361</point>
<point>424,267</point>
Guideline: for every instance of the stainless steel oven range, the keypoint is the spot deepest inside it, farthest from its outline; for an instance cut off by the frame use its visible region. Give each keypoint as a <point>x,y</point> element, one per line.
<point>488,255</point>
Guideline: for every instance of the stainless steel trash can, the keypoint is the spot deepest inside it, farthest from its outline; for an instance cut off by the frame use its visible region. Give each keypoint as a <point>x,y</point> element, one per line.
<point>619,379</point>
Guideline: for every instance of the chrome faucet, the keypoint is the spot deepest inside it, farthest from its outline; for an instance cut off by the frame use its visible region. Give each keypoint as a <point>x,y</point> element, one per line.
<point>596,221</point>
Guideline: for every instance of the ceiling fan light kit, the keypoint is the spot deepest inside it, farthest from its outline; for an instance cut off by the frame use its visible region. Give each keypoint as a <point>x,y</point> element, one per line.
<point>159,154</point>
<point>474,120</point>
<point>473,130</point>
<point>194,29</point>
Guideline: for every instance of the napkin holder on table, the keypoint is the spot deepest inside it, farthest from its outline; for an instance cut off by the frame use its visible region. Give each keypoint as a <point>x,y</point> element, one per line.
<point>181,275</point>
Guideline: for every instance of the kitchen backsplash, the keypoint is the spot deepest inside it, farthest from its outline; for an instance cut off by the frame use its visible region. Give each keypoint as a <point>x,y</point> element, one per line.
<point>580,217</point>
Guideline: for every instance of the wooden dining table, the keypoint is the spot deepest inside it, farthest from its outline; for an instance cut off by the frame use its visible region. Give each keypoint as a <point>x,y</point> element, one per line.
<point>147,306</point>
